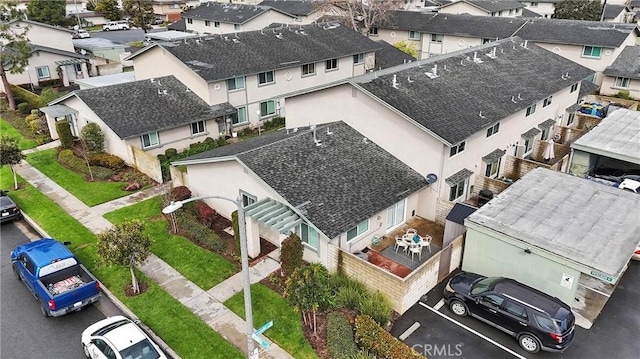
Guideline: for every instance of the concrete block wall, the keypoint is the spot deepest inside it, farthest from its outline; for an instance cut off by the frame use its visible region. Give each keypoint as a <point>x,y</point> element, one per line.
<point>494,185</point>
<point>456,253</point>
<point>147,164</point>
<point>443,207</point>
<point>178,178</point>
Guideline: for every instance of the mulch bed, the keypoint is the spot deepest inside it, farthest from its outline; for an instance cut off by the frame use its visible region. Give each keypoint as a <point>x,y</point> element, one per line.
<point>128,291</point>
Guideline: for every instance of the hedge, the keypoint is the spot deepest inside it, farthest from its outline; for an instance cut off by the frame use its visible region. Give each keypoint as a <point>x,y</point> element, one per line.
<point>371,337</point>
<point>198,231</point>
<point>106,160</point>
<point>340,341</point>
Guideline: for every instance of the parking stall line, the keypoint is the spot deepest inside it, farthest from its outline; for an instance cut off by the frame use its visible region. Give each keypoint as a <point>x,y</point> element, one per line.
<point>409,331</point>
<point>474,332</point>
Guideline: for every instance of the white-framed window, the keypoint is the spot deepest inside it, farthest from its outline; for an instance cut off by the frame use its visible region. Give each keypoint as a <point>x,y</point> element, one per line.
<point>570,119</point>
<point>437,38</point>
<point>361,228</point>
<point>493,14</point>
<point>457,190</point>
<point>43,72</point>
<point>492,169</point>
<point>331,64</point>
<point>358,59</point>
<point>534,4</point>
<point>574,87</point>
<point>216,24</point>
<point>510,11</point>
<point>531,110</point>
<point>197,128</point>
<point>309,235</point>
<point>373,31</point>
<point>591,51</point>
<point>545,133</point>
<point>265,78</point>
<point>207,23</point>
<point>189,21</point>
<point>309,69</point>
<point>414,35</point>
<point>150,139</point>
<point>528,145</point>
<point>236,27</point>
<point>235,83</point>
<point>240,116</point>
<point>395,214</point>
<point>486,41</point>
<point>622,82</point>
<point>247,198</point>
<point>454,150</point>
<point>174,6</point>
<point>493,129</point>
<point>267,108</point>
<point>547,101</point>
<point>499,13</point>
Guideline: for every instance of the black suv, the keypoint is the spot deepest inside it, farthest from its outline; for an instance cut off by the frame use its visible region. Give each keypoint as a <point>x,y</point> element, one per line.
<point>537,320</point>
<point>9,210</point>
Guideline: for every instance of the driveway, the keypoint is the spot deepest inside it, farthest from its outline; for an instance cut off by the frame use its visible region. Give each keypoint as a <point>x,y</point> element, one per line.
<point>440,334</point>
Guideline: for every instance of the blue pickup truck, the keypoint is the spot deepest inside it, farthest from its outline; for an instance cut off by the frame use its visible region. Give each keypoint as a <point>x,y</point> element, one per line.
<point>54,276</point>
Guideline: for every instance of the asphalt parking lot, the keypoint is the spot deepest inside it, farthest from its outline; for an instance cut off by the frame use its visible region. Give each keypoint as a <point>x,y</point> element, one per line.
<point>440,334</point>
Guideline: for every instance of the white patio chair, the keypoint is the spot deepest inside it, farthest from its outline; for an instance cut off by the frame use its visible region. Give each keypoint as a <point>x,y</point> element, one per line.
<point>411,231</point>
<point>416,249</point>
<point>425,242</point>
<point>401,243</point>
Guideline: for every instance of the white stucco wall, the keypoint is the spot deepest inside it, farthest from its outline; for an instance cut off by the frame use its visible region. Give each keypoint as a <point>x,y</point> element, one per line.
<point>608,87</point>
<point>46,36</point>
<point>259,22</point>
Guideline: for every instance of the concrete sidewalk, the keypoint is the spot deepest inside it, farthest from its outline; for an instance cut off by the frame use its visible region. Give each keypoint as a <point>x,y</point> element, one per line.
<point>207,305</point>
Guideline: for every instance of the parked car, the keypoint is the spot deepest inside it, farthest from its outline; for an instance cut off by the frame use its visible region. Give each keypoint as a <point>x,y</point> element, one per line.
<point>9,210</point>
<point>116,25</point>
<point>120,338</point>
<point>537,320</point>
<point>630,185</point>
<point>81,34</point>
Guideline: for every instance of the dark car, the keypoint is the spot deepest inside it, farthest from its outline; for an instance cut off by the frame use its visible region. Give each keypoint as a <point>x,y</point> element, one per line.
<point>537,320</point>
<point>9,210</point>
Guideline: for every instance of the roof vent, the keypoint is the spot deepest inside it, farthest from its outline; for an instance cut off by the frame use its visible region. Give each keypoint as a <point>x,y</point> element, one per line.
<point>365,140</point>
<point>279,35</point>
<point>492,54</point>
<point>409,80</point>
<point>476,59</point>
<point>394,83</point>
<point>433,74</point>
<point>565,76</point>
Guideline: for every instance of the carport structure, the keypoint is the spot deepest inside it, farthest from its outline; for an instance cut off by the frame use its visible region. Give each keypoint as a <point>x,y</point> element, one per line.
<point>569,237</point>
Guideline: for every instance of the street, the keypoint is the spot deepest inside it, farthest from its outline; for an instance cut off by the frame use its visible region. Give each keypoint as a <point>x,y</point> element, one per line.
<point>124,36</point>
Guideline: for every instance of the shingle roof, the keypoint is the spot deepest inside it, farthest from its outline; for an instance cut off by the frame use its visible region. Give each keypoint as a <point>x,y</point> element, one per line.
<point>221,57</point>
<point>179,25</point>
<point>467,97</point>
<point>528,13</point>
<point>613,10</point>
<point>587,88</point>
<point>495,5</point>
<point>31,22</point>
<point>530,133</point>
<point>135,108</point>
<point>35,48</point>
<point>226,12</point>
<point>339,187</point>
<point>627,64</point>
<point>459,212</point>
<point>293,7</point>
<point>390,56</point>
<point>577,32</point>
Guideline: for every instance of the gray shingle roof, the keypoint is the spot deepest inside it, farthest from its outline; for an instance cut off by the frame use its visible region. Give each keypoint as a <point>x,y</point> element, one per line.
<point>587,88</point>
<point>390,56</point>
<point>613,10</point>
<point>335,186</point>
<point>530,133</point>
<point>627,64</point>
<point>493,156</point>
<point>221,57</point>
<point>547,123</point>
<point>293,7</point>
<point>179,25</point>
<point>495,5</point>
<point>457,177</point>
<point>225,12</point>
<point>135,108</point>
<point>528,13</point>
<point>468,97</point>
<point>577,32</point>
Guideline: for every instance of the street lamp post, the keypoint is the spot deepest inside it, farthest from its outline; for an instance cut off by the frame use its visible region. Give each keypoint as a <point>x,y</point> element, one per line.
<point>175,205</point>
<point>259,129</point>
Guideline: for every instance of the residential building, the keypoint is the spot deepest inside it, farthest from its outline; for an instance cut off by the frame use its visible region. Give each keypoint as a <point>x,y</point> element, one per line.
<point>171,10</point>
<point>454,116</point>
<point>390,56</point>
<point>616,13</point>
<point>548,231</point>
<point>251,70</point>
<point>106,80</point>
<point>547,8</point>
<point>224,18</point>
<point>105,56</point>
<point>502,8</point>
<point>305,11</point>
<point>623,74</point>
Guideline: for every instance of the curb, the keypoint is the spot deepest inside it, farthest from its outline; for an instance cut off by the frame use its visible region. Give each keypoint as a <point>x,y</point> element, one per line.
<point>128,313</point>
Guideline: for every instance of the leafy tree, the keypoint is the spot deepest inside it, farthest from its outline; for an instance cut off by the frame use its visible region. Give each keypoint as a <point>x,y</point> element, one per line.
<point>52,12</point>
<point>290,255</point>
<point>407,48</point>
<point>93,137</point>
<point>15,52</point>
<point>307,289</point>
<point>360,15</point>
<point>109,8</point>
<point>141,11</point>
<point>91,5</point>
<point>10,155</point>
<point>578,10</point>
<point>125,244</point>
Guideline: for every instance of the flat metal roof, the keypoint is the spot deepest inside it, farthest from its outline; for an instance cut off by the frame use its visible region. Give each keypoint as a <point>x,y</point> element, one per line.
<point>580,220</point>
<point>169,35</point>
<point>616,136</point>
<point>106,80</point>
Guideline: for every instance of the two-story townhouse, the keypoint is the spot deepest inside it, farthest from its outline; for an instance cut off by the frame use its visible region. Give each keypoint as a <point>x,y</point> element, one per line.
<point>305,11</point>
<point>592,44</point>
<point>545,8</point>
<point>455,115</point>
<point>224,18</point>
<point>502,8</point>
<point>52,56</point>
<point>170,10</point>
<point>251,70</point>
<point>616,13</point>
<point>623,74</point>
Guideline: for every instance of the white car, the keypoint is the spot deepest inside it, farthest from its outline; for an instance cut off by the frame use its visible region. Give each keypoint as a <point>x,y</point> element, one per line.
<point>630,185</point>
<point>118,337</point>
<point>81,34</point>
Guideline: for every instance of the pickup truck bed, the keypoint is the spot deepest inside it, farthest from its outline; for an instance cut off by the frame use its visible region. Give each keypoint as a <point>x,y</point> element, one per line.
<point>65,280</point>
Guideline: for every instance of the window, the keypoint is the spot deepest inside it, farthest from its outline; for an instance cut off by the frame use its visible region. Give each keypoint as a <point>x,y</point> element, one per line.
<point>78,68</point>
<point>265,78</point>
<point>437,38</point>
<point>43,72</point>
<point>308,69</point>
<point>309,235</point>
<point>493,299</point>
<point>511,12</point>
<point>499,13</point>
<point>414,35</point>
<point>486,41</point>
<point>591,51</point>
<point>457,149</point>
<point>547,101</point>
<point>247,198</point>
<point>493,14</point>
<point>574,87</point>
<point>150,140</point>
<point>622,82</point>
<point>545,323</point>
<point>216,24</point>
<point>189,21</point>
<point>545,133</point>
<point>197,127</point>
<point>528,145</point>
<point>174,6</point>
<point>531,110</point>
<point>358,58</point>
<point>235,83</point>
<point>395,214</point>
<point>331,64</point>
<point>572,116</point>
<point>493,129</point>
<point>457,190</point>
<point>361,228</point>
<point>240,116</point>
<point>236,27</point>
<point>373,31</point>
<point>267,108</point>
<point>515,309</point>
<point>492,169</point>
<point>207,23</point>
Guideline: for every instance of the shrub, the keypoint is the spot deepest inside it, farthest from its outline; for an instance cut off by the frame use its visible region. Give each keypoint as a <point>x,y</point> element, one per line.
<point>64,131</point>
<point>24,107</point>
<point>221,141</point>
<point>32,122</point>
<point>340,341</point>
<point>273,123</point>
<point>25,96</point>
<point>102,172</point>
<point>291,254</point>
<point>106,160</point>
<point>362,354</point>
<point>93,137</point>
<point>236,230</point>
<point>351,294</point>
<point>49,94</point>
<point>377,306</point>
<point>170,153</point>
<point>69,160</point>
<point>204,213</point>
<point>623,94</point>
<point>246,131</point>
<point>198,231</point>
<point>373,338</point>
<point>181,193</point>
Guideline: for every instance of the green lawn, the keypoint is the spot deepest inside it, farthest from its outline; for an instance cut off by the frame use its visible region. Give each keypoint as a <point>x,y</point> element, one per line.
<point>6,129</point>
<point>182,330</point>
<point>287,324</point>
<point>202,267</point>
<point>91,193</point>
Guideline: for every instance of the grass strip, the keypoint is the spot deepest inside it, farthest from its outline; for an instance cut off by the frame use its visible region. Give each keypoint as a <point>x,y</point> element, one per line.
<point>6,129</point>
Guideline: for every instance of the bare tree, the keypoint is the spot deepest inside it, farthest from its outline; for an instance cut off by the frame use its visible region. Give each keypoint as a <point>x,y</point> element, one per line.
<point>15,51</point>
<point>360,15</point>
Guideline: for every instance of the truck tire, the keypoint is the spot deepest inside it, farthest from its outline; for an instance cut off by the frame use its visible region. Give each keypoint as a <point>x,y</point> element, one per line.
<point>85,350</point>
<point>15,271</point>
<point>44,311</point>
